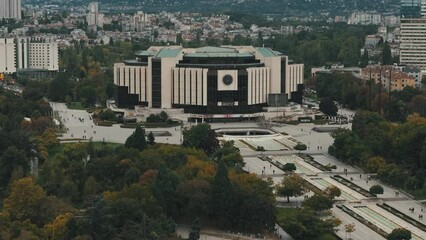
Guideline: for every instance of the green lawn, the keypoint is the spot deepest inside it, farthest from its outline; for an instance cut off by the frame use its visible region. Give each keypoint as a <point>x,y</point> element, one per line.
<point>285,214</point>
<point>76,106</point>
<point>59,148</point>
<point>419,194</point>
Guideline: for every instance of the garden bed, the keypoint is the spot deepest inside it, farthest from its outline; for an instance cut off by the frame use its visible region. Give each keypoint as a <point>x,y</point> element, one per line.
<point>402,215</point>
<point>364,221</point>
<point>311,161</point>
<point>353,186</point>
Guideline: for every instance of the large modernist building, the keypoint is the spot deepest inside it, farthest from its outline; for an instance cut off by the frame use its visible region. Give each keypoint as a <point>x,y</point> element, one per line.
<point>208,80</point>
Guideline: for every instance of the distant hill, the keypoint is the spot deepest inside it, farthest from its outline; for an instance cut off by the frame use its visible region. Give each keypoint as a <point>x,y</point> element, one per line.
<point>284,7</point>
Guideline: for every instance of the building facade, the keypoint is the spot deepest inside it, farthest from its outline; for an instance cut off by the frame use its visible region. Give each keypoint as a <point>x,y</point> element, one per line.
<point>7,55</point>
<point>386,75</point>
<point>10,9</point>
<point>28,53</point>
<point>413,42</point>
<point>94,18</point>
<point>208,80</point>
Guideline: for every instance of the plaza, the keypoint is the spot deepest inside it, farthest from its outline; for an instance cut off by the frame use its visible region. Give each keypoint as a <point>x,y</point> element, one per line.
<point>278,146</point>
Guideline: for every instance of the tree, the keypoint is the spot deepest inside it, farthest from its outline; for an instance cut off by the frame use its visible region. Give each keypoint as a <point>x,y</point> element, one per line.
<point>364,59</point>
<point>375,163</point>
<point>57,229</point>
<point>137,140</point>
<point>10,160</point>
<point>221,193</point>
<point>194,234</point>
<point>349,228</point>
<point>318,202</point>
<point>201,136</point>
<point>328,107</point>
<point>164,188</point>
<point>376,189</point>
<point>399,234</point>
<point>332,192</point>
<point>300,147</point>
<point>24,200</point>
<point>151,139</point>
<point>289,167</point>
<point>386,55</point>
<point>291,186</point>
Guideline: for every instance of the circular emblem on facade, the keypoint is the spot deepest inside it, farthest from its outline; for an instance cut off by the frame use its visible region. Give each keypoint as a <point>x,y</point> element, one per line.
<point>227,79</point>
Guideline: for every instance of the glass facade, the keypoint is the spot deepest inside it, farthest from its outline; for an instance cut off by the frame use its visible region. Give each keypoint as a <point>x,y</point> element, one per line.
<point>411,8</point>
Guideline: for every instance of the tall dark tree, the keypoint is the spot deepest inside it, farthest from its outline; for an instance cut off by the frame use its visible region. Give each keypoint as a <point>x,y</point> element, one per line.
<point>364,59</point>
<point>221,193</point>
<point>195,230</point>
<point>386,55</point>
<point>137,140</point>
<point>151,138</point>
<point>12,159</point>
<point>201,136</point>
<point>164,188</point>
<point>328,107</point>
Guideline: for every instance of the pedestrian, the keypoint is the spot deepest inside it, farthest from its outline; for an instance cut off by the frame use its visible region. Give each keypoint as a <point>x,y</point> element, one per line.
<point>360,176</point>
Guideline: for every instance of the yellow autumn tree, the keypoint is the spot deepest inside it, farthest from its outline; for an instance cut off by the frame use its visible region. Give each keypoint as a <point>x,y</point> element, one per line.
<point>57,229</point>
<point>24,200</point>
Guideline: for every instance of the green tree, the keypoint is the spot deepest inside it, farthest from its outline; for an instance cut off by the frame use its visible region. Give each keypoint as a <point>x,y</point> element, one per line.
<point>300,147</point>
<point>164,189</point>
<point>364,59</point>
<point>221,193</point>
<point>12,159</point>
<point>375,163</point>
<point>201,136</point>
<point>376,189</point>
<point>194,234</point>
<point>399,234</point>
<point>318,202</point>
<point>137,140</point>
<point>386,55</point>
<point>291,186</point>
<point>332,192</point>
<point>289,167</point>
<point>328,107</point>
<point>151,139</point>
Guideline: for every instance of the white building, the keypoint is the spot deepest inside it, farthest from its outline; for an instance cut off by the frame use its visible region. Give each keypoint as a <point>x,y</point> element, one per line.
<point>208,80</point>
<point>43,54</point>
<point>365,18</point>
<point>138,21</point>
<point>413,42</point>
<point>10,9</point>
<point>28,53</point>
<point>7,55</point>
<point>94,18</point>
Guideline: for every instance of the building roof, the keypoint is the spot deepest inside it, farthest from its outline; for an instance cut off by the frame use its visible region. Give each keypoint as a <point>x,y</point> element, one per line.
<point>215,50</point>
<point>166,52</point>
<point>219,54</point>
<point>267,52</point>
<point>145,53</point>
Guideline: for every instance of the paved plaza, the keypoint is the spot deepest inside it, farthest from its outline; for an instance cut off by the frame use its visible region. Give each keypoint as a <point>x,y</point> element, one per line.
<point>81,127</point>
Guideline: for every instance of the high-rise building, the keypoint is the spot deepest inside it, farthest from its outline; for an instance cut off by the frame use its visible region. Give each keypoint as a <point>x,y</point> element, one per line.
<point>28,53</point>
<point>7,55</point>
<point>413,42</point>
<point>94,18</point>
<point>10,9</point>
<point>413,33</point>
